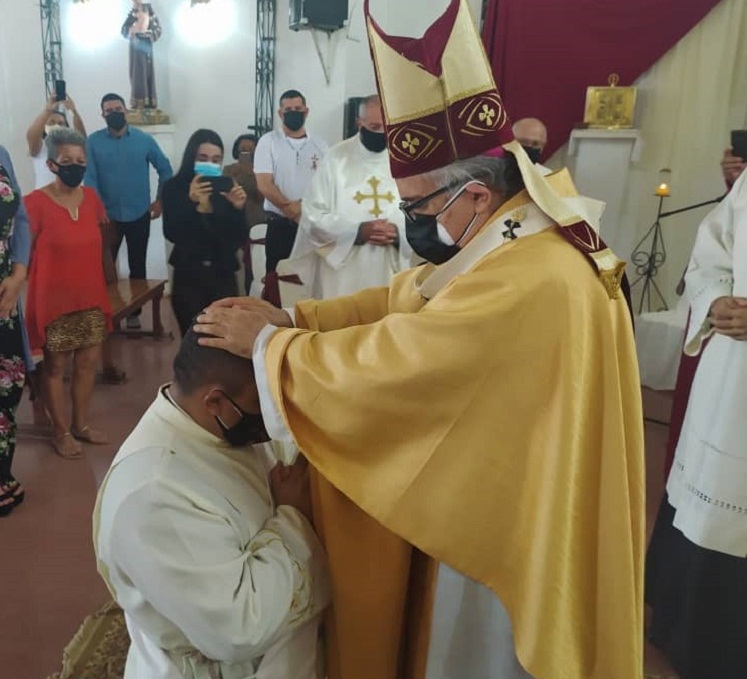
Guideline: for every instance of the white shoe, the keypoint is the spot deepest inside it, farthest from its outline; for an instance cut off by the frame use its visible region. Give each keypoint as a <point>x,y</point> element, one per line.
<point>133,323</point>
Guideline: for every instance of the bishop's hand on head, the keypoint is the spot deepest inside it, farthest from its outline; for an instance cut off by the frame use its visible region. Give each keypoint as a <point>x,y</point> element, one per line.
<point>235,328</point>
<point>274,316</point>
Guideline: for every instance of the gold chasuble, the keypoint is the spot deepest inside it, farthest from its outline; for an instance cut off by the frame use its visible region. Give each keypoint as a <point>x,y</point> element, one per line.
<point>484,414</point>
<point>498,429</point>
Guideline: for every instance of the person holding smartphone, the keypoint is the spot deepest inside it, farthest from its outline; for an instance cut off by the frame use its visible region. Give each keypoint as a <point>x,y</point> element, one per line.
<point>203,216</point>
<point>52,117</point>
<point>733,162</point>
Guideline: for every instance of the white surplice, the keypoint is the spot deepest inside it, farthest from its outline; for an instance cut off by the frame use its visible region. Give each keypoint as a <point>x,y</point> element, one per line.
<point>353,185</point>
<point>213,580</point>
<point>708,482</point>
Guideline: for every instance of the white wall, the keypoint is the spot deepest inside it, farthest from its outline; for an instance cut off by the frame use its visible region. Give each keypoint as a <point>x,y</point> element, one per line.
<point>352,75</point>
<point>199,85</point>
<point>21,79</point>
<point>201,81</point>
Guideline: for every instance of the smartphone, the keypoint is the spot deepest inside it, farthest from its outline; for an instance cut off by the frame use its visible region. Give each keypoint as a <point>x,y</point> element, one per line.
<point>60,91</point>
<point>220,184</point>
<point>739,143</point>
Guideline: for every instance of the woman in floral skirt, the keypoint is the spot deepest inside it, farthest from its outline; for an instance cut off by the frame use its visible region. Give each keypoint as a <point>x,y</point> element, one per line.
<point>14,257</point>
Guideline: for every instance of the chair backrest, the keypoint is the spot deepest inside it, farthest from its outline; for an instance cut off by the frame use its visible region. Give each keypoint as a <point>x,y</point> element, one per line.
<point>296,279</point>
<point>257,254</point>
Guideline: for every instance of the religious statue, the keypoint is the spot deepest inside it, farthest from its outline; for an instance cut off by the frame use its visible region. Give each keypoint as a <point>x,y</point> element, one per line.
<point>142,28</point>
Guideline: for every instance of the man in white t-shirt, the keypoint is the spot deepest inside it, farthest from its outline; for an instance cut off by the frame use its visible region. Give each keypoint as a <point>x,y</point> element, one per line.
<point>284,163</point>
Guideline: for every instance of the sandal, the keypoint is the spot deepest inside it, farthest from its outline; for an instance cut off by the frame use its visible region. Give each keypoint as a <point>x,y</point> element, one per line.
<point>67,450</point>
<point>113,376</point>
<point>7,505</point>
<point>16,490</point>
<point>90,435</point>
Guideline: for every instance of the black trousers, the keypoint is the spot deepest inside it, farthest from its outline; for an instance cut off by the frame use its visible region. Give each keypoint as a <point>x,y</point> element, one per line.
<point>196,288</point>
<point>279,240</point>
<point>136,234</point>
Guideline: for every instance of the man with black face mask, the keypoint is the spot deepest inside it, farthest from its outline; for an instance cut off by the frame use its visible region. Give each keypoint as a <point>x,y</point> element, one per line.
<point>351,233</point>
<point>531,133</point>
<point>119,160</point>
<point>284,163</point>
<point>218,571</point>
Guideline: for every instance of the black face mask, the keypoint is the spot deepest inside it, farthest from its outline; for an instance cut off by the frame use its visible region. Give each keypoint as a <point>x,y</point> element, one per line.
<point>373,141</point>
<point>422,232</point>
<point>294,120</point>
<point>422,235</point>
<point>533,152</point>
<point>115,120</point>
<point>248,430</point>
<point>70,175</point>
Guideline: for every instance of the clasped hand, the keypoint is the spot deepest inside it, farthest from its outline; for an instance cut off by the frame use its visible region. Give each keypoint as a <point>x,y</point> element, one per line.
<point>290,486</point>
<point>728,317</point>
<point>379,232</point>
<point>234,323</point>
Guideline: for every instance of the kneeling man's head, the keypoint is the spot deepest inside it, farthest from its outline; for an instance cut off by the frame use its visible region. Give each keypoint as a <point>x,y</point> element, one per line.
<point>218,391</point>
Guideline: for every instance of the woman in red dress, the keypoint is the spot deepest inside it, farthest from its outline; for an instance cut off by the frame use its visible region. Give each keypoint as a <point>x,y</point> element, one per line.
<point>68,311</point>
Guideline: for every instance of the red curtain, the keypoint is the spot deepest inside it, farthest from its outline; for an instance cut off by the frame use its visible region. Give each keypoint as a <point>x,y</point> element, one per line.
<point>546,52</point>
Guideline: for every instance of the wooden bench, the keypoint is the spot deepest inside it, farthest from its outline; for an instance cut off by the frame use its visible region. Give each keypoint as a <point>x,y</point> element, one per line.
<point>130,295</point>
<point>127,296</point>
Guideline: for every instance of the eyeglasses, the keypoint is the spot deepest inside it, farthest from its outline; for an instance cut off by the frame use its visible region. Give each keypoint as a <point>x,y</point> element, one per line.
<point>409,208</point>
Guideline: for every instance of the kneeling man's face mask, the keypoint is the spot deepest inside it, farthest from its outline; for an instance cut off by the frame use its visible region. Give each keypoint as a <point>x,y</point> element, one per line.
<point>249,429</point>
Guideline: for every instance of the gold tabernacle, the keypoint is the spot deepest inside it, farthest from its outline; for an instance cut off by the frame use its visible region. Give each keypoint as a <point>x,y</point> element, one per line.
<point>610,107</point>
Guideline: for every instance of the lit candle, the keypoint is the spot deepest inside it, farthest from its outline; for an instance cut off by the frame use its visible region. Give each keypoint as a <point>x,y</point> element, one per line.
<point>662,190</point>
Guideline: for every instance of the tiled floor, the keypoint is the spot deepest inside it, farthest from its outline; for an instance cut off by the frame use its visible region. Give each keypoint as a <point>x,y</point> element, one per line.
<point>48,580</point>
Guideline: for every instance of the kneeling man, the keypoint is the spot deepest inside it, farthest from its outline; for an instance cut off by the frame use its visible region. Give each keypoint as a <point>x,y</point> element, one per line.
<point>219,573</point>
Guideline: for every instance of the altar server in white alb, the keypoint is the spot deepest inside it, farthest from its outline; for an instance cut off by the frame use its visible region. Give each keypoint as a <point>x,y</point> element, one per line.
<point>351,232</point>
<point>696,568</point>
<point>219,572</point>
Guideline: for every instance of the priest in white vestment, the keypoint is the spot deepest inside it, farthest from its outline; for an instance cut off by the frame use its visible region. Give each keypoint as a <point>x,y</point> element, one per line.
<point>217,578</point>
<point>351,233</point>
<point>708,482</point>
<point>696,570</point>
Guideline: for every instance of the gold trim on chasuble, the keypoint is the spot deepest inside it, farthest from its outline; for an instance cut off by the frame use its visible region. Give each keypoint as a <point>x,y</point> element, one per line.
<point>578,225</point>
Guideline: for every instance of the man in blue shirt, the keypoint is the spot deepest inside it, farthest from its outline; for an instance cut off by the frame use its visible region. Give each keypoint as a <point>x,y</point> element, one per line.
<point>119,160</point>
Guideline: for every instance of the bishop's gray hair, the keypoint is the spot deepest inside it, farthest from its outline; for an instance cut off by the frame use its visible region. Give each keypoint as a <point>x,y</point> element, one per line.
<point>63,137</point>
<point>501,175</point>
